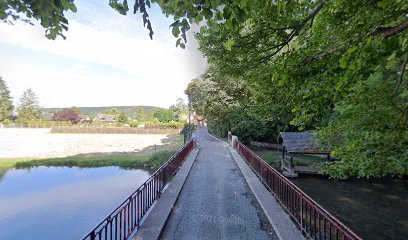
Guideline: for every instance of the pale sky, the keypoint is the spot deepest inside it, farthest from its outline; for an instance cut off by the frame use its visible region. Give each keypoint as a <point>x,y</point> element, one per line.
<point>107,59</point>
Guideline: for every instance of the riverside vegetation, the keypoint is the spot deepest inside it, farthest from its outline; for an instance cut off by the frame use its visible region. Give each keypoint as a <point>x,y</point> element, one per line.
<point>151,159</point>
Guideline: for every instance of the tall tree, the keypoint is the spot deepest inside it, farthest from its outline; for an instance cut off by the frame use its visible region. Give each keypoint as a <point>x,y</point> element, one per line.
<point>180,109</point>
<point>28,108</point>
<point>6,103</point>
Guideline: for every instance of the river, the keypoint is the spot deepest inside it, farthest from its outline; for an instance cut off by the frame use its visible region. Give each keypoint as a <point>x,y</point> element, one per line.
<point>61,202</point>
<point>374,209</point>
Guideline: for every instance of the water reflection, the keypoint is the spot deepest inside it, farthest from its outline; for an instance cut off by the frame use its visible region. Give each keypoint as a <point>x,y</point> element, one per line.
<point>59,202</point>
<point>375,209</point>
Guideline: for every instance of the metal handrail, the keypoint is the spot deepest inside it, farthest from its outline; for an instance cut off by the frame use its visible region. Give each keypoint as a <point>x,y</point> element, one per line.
<point>126,218</point>
<point>314,221</point>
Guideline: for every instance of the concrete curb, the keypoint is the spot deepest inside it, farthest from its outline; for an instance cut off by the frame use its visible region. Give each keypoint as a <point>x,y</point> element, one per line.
<point>154,224</point>
<point>279,219</point>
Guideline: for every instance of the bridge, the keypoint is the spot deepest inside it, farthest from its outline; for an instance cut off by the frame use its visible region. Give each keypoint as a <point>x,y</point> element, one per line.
<point>213,189</point>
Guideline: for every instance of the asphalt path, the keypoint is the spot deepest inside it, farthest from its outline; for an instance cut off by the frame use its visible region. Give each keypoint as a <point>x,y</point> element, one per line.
<point>216,202</point>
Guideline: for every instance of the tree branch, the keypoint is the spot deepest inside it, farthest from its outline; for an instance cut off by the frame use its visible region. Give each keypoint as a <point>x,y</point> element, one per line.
<point>294,33</point>
<point>391,31</point>
<point>385,32</point>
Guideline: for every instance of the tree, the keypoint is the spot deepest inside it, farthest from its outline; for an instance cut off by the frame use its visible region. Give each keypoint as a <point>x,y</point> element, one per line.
<point>28,108</point>
<point>6,103</point>
<point>123,118</point>
<point>335,67</point>
<point>76,110</point>
<point>112,111</point>
<point>67,115</point>
<point>164,115</point>
<point>180,109</point>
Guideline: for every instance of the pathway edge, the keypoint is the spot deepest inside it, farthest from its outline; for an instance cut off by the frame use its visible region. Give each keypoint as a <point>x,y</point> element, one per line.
<point>155,222</point>
<point>282,224</point>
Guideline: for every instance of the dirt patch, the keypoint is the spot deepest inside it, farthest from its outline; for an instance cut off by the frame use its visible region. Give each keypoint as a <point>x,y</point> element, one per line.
<point>40,143</point>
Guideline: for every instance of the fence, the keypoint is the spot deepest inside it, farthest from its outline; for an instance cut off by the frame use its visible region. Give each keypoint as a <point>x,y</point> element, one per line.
<point>31,125</point>
<point>113,130</point>
<point>126,218</point>
<point>100,129</point>
<point>314,221</point>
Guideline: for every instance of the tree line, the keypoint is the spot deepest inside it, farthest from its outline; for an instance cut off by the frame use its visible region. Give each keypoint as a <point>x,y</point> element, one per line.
<point>29,110</point>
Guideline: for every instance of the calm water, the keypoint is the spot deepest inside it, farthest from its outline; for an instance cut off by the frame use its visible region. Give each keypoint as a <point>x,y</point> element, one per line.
<point>375,209</point>
<point>60,202</point>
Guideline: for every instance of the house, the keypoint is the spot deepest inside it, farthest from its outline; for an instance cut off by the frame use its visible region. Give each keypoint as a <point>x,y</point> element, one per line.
<point>85,119</point>
<point>105,118</point>
<point>47,116</point>
<point>294,143</point>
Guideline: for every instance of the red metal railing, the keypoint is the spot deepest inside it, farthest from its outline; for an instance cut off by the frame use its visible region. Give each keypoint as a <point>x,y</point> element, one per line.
<point>125,219</point>
<point>314,221</point>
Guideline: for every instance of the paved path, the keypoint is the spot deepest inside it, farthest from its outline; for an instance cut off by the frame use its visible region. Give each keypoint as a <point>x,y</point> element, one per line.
<point>216,202</point>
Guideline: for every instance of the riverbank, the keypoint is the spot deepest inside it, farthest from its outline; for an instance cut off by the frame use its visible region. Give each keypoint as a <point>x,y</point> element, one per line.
<point>375,208</point>
<point>23,148</point>
<point>124,160</point>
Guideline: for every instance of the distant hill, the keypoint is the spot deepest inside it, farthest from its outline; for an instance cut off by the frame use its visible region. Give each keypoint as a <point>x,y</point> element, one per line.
<point>92,111</point>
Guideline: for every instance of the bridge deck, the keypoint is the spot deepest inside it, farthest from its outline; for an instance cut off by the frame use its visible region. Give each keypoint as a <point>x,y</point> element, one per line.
<point>216,202</point>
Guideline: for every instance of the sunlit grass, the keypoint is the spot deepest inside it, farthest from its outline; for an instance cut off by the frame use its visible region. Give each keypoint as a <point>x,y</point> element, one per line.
<point>125,160</point>
<point>272,158</point>
<point>6,163</point>
<point>151,157</point>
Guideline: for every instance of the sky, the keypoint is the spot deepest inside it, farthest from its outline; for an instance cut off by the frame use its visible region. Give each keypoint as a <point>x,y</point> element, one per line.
<point>107,60</point>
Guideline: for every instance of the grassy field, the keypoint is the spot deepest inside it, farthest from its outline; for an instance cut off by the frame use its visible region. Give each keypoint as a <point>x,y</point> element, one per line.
<point>125,160</point>
<point>150,157</point>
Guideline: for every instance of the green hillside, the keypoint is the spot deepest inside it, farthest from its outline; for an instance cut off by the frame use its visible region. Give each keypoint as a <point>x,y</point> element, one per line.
<point>92,111</point>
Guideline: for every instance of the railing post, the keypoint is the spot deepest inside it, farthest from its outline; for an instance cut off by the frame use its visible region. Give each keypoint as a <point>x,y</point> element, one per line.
<point>235,142</point>
<point>93,236</point>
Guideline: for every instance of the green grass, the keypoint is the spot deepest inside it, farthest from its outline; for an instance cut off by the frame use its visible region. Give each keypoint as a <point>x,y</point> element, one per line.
<point>125,160</point>
<point>272,158</point>
<point>149,157</point>
<point>6,163</point>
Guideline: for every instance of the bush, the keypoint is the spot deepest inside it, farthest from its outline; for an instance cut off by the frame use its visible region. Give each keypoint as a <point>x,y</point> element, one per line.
<point>159,158</point>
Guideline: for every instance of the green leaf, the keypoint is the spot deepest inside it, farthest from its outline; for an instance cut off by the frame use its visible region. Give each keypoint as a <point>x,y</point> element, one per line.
<point>73,8</point>
<point>175,31</point>
<point>182,45</point>
<point>218,15</point>
<point>208,14</point>
<point>229,44</point>
<point>227,12</point>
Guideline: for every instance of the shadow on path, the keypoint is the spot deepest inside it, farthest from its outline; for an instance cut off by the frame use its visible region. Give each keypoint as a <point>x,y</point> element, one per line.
<point>216,202</point>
